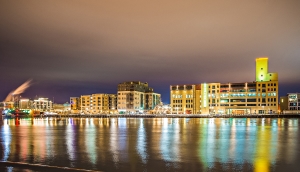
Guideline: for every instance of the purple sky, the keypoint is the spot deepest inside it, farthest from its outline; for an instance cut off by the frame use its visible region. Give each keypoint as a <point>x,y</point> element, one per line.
<point>70,47</point>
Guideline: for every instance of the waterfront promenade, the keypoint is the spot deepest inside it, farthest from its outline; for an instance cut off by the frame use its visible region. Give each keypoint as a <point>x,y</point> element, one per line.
<point>170,116</point>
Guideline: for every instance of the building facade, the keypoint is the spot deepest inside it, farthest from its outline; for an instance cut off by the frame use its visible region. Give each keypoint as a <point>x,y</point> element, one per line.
<point>290,103</point>
<point>75,105</point>
<point>42,104</point>
<point>26,104</point>
<point>136,97</point>
<point>98,104</point>
<point>62,108</point>
<point>258,97</point>
<point>152,99</point>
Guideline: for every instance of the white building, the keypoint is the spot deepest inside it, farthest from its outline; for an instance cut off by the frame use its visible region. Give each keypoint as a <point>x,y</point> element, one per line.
<point>42,104</point>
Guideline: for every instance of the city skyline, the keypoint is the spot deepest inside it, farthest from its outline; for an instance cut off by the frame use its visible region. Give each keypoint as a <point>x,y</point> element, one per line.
<point>77,48</point>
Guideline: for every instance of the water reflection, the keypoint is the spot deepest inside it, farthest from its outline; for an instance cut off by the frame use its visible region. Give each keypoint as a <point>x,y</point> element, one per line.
<point>142,141</point>
<point>70,140</point>
<point>5,139</point>
<point>163,144</point>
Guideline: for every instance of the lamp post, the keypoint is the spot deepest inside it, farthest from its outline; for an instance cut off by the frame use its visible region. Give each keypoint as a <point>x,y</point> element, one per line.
<point>263,109</point>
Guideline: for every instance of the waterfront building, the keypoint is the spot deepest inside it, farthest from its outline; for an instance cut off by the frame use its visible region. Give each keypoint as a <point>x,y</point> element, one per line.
<point>152,99</point>
<point>290,103</point>
<point>257,97</point>
<point>8,105</point>
<point>61,108</point>
<point>98,103</point>
<point>161,108</point>
<point>113,103</point>
<point>136,97</point>
<point>26,104</point>
<point>42,104</point>
<point>2,107</point>
<point>75,104</point>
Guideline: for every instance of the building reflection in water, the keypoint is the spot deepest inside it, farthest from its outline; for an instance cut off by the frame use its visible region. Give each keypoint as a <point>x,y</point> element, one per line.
<point>142,141</point>
<point>5,139</point>
<point>170,141</point>
<point>136,143</point>
<point>70,141</point>
<point>90,140</point>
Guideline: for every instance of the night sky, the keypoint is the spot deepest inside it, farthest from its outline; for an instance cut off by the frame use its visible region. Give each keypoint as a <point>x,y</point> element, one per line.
<point>71,48</point>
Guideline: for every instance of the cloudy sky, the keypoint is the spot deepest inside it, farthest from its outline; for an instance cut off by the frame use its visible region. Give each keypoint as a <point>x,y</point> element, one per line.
<point>71,47</point>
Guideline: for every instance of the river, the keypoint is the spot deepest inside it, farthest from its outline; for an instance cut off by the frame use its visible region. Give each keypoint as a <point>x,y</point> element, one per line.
<point>151,144</point>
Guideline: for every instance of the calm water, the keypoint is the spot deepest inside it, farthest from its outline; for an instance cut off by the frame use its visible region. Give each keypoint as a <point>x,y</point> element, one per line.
<point>159,144</point>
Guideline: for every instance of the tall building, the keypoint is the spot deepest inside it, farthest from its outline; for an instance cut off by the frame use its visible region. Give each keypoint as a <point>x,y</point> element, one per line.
<point>260,96</point>
<point>98,103</point>
<point>136,97</point>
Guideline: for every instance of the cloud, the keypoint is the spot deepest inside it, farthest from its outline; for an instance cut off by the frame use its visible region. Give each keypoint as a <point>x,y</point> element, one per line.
<point>158,41</point>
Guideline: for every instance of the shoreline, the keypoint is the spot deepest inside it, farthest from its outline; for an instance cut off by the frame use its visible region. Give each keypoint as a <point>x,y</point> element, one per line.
<point>160,116</point>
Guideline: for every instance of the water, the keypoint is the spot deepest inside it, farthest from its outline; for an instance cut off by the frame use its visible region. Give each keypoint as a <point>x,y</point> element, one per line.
<point>156,144</point>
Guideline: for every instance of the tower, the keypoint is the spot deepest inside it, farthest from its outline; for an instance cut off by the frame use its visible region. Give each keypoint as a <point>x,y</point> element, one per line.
<point>262,74</point>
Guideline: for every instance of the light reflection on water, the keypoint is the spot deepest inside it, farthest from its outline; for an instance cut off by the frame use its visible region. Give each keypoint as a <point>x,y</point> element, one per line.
<point>159,144</point>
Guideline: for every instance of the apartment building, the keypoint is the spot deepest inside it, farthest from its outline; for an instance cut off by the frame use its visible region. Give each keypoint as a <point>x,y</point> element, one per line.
<point>152,99</point>
<point>75,103</point>
<point>98,104</point>
<point>257,97</point>
<point>290,103</point>
<point>42,104</point>
<point>26,104</point>
<point>136,97</point>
